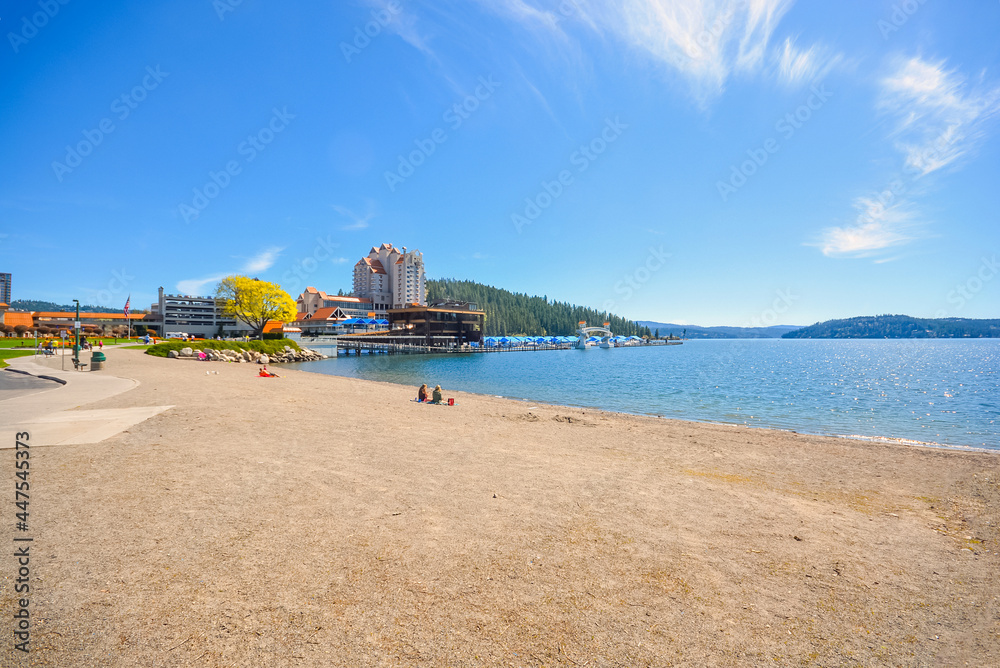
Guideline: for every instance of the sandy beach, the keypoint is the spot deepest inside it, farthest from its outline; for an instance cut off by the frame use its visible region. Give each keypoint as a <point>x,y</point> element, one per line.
<point>312,520</point>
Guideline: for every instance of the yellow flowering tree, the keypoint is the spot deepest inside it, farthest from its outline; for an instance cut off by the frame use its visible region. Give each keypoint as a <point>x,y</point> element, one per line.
<point>254,302</point>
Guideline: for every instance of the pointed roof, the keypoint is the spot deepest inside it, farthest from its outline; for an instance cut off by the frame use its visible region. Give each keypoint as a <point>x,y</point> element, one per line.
<point>324,313</point>
<point>374,265</point>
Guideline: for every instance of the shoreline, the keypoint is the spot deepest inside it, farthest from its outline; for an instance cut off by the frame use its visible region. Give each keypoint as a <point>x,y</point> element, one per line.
<point>321,520</point>
<point>853,437</point>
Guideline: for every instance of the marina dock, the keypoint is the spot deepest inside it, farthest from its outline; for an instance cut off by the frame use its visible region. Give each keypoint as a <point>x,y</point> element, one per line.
<point>389,344</point>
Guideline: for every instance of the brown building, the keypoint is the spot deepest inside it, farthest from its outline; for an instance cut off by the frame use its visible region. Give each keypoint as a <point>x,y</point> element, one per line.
<point>65,319</point>
<point>460,320</point>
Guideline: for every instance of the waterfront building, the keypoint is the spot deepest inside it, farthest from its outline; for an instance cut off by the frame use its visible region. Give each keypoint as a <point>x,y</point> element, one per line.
<point>195,316</point>
<point>391,277</point>
<point>320,313</point>
<point>312,300</point>
<point>461,320</point>
<point>326,322</point>
<point>15,318</point>
<point>64,320</point>
<point>277,327</point>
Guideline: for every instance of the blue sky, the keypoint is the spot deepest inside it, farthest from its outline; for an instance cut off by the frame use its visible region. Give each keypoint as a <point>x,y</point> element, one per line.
<point>703,162</point>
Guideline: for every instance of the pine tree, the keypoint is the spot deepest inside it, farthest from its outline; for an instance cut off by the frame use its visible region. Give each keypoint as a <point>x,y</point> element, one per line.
<point>509,313</point>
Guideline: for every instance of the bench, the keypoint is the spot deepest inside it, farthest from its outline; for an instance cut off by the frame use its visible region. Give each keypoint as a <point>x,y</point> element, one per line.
<point>79,366</point>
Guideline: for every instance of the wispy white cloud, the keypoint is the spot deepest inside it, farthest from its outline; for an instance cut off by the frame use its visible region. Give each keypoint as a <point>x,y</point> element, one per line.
<point>794,66</point>
<point>876,228</point>
<point>939,116</point>
<point>194,286</point>
<point>403,23</point>
<point>705,41</point>
<point>524,13</point>
<point>262,261</point>
<point>357,222</point>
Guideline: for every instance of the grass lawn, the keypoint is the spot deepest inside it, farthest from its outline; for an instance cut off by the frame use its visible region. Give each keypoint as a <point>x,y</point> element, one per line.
<point>27,342</point>
<point>7,354</point>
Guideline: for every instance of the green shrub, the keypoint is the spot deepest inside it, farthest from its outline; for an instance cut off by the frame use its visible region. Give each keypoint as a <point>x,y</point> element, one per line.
<point>271,347</point>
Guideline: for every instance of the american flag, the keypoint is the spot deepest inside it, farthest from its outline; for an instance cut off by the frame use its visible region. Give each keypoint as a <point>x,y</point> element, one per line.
<point>126,305</point>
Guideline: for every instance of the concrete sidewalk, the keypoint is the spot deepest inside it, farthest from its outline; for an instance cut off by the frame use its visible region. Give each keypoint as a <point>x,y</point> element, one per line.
<point>50,415</point>
<point>18,384</point>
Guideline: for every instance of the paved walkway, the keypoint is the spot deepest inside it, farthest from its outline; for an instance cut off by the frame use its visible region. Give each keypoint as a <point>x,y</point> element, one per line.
<point>18,384</point>
<point>50,412</point>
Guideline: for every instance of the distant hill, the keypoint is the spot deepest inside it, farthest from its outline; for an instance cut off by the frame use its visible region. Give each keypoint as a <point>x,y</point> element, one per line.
<point>898,327</point>
<point>38,305</point>
<point>511,313</point>
<point>696,332</point>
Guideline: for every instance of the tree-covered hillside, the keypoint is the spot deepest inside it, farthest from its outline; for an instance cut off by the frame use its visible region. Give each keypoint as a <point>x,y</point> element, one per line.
<point>38,305</point>
<point>720,332</point>
<point>898,327</point>
<point>510,313</point>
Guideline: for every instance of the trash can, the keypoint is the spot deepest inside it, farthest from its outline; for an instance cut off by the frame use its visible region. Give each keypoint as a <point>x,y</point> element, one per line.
<point>97,361</point>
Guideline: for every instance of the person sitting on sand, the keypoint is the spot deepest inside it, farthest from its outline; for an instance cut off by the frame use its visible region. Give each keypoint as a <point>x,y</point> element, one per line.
<point>437,395</point>
<point>264,373</point>
<point>422,393</point>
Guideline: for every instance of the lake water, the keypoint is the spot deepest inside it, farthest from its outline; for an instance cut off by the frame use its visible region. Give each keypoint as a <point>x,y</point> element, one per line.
<point>944,391</point>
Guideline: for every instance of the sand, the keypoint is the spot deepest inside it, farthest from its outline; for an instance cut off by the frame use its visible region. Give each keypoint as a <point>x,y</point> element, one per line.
<point>312,520</point>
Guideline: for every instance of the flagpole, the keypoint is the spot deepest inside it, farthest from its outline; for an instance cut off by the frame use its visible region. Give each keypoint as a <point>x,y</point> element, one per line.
<point>128,318</point>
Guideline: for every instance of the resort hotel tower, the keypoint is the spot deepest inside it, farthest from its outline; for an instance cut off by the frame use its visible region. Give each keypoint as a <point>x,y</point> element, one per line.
<point>391,277</point>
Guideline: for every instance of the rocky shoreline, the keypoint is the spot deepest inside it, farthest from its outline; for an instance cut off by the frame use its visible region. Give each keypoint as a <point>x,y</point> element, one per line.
<point>289,354</point>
